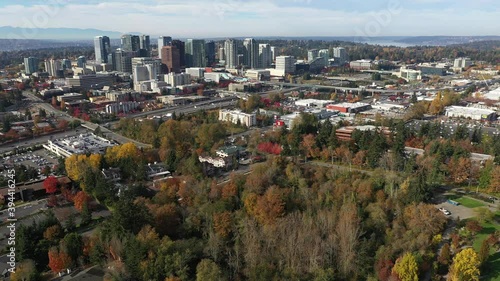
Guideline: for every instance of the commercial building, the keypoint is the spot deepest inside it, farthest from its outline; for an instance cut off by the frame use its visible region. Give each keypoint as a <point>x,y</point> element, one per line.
<point>286,64</point>
<point>175,80</point>
<point>236,116</point>
<point>349,107</point>
<point>433,71</point>
<point>144,69</point>
<point>82,61</point>
<point>102,47</point>
<point>52,67</point>
<point>231,51</point>
<point>81,144</point>
<point>470,113</point>
<point>30,65</point>
<point>313,103</point>
<point>361,64</point>
<point>409,74</point>
<point>121,107</point>
<point>130,43</point>
<point>70,97</point>
<point>162,42</point>
<point>251,53</point>
<point>340,55</point>
<point>123,60</point>
<point>325,55</point>
<point>217,76</point>
<point>196,72</point>
<point>181,46</point>
<point>122,96</point>
<point>345,133</point>
<point>265,56</point>
<point>312,54</point>
<point>462,63</point>
<point>258,74</point>
<point>195,53</point>
<point>90,82</point>
<point>145,44</point>
<point>210,53</point>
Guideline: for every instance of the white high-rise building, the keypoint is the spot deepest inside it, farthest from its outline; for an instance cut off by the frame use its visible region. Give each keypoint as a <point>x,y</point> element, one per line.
<point>340,55</point>
<point>251,55</point>
<point>285,63</point>
<point>231,51</point>
<point>52,66</point>
<point>102,47</point>
<point>265,56</point>
<point>274,53</point>
<point>312,54</point>
<point>144,69</point>
<point>462,63</point>
<point>180,79</point>
<point>325,54</point>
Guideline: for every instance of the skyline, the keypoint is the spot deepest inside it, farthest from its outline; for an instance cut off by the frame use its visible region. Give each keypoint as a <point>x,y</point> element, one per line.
<point>236,18</point>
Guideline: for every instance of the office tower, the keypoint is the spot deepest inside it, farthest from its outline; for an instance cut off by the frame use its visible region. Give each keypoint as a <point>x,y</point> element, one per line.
<point>221,54</point>
<point>131,43</point>
<point>195,53</point>
<point>144,69</point>
<point>52,67</point>
<point>312,54</point>
<point>274,53</point>
<point>112,60</point>
<point>145,43</point>
<point>81,61</point>
<point>210,53</point>
<point>285,63</point>
<point>162,42</point>
<point>231,51</point>
<point>181,46</point>
<point>325,54</point>
<point>251,53</point>
<point>340,55</point>
<point>171,59</point>
<point>124,60</point>
<point>30,65</point>
<point>66,64</point>
<point>265,56</point>
<point>102,47</point>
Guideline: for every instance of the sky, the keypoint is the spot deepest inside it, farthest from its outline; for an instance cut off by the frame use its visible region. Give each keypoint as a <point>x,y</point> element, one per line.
<point>240,18</point>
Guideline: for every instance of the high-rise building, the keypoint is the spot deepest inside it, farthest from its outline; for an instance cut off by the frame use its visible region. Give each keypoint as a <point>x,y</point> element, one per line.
<point>102,47</point>
<point>162,42</point>
<point>251,54</point>
<point>131,43</point>
<point>286,63</point>
<point>274,53</point>
<point>462,63</point>
<point>170,57</point>
<point>81,61</point>
<point>52,67</point>
<point>145,43</point>
<point>340,55</point>
<point>325,55</point>
<point>66,64</point>
<point>144,69</point>
<point>210,53</point>
<point>112,60</point>
<point>221,54</point>
<point>182,51</point>
<point>312,54</point>
<point>265,56</point>
<point>195,53</point>
<point>30,65</point>
<point>123,61</point>
<point>231,50</point>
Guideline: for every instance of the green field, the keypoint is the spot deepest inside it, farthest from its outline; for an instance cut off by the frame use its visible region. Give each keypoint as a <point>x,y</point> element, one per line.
<point>467,202</point>
<point>492,270</point>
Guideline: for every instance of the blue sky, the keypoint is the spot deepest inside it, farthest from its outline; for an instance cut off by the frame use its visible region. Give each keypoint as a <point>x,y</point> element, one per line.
<point>224,18</point>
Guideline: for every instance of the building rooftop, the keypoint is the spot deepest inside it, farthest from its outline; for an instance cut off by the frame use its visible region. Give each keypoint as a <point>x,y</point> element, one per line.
<point>469,110</point>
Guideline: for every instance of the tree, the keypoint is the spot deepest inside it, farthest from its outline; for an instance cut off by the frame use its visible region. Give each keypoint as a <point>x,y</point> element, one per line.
<point>52,233</point>
<point>73,246</point>
<point>484,252</point>
<point>207,270</point>
<point>86,215</point>
<point>445,255</point>
<point>81,199</point>
<point>465,266</point>
<point>495,179</point>
<point>406,268</point>
<point>50,184</point>
<point>58,260</point>
<point>25,271</point>
<point>437,105</point>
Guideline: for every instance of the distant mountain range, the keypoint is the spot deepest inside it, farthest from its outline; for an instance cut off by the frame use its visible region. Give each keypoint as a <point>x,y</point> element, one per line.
<point>9,32</point>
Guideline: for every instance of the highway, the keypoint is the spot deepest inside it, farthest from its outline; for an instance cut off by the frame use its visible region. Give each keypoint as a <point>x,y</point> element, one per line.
<point>377,91</point>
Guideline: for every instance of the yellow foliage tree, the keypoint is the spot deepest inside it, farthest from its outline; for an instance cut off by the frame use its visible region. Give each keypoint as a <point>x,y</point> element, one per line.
<point>465,266</point>
<point>436,106</point>
<point>406,268</point>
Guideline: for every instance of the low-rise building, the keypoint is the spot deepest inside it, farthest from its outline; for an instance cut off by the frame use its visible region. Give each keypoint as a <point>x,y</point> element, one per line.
<point>361,64</point>
<point>349,107</point>
<point>470,113</point>
<point>81,144</point>
<point>70,97</point>
<point>313,103</point>
<point>235,116</point>
<point>121,107</point>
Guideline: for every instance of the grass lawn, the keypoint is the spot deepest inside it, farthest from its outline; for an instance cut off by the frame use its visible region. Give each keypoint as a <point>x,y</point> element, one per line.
<point>467,202</point>
<point>492,270</point>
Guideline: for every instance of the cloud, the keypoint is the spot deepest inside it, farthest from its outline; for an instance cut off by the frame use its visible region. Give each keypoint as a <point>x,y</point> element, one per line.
<point>226,18</point>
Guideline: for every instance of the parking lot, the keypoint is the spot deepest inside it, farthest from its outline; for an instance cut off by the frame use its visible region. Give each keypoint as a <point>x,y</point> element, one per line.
<point>38,160</point>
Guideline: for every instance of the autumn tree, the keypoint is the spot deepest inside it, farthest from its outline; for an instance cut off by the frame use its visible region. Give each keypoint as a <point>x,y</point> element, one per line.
<point>207,270</point>
<point>81,199</point>
<point>348,231</point>
<point>406,268</point>
<point>484,251</point>
<point>58,260</point>
<point>495,180</point>
<point>50,184</point>
<point>445,255</point>
<point>25,271</point>
<point>53,233</point>
<point>465,266</point>
<point>437,105</point>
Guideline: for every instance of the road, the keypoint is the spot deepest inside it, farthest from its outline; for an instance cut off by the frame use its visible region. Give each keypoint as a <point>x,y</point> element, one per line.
<point>25,210</point>
<point>373,91</point>
<point>38,140</point>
